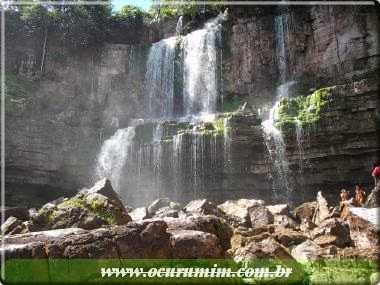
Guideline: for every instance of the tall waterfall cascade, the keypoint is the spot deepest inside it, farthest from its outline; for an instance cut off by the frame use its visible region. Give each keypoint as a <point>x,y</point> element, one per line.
<point>272,135</point>
<point>171,150</point>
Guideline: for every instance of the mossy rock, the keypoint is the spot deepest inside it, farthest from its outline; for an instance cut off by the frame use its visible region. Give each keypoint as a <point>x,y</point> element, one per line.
<point>304,110</point>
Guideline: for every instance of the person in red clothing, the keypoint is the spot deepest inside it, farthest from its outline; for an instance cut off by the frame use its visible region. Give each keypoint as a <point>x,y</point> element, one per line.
<point>376,173</point>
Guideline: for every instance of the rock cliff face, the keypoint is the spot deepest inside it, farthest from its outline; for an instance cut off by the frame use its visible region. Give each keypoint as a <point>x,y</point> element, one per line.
<point>75,100</point>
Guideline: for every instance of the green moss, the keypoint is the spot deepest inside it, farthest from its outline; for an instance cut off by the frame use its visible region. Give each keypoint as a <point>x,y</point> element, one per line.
<point>219,126</point>
<point>304,109</point>
<point>96,208</point>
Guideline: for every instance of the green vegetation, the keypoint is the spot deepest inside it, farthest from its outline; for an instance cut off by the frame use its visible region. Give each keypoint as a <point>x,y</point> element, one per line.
<point>96,207</point>
<point>190,10</point>
<point>219,126</point>
<point>17,90</point>
<point>303,109</point>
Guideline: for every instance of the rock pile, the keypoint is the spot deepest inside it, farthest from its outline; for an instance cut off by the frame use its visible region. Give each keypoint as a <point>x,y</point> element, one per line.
<point>95,224</point>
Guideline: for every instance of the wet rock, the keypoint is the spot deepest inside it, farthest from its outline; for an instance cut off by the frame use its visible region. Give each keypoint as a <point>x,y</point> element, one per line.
<point>309,250</point>
<point>279,209</point>
<point>138,214</point>
<point>203,207</point>
<point>157,204</point>
<point>267,248</point>
<point>242,238</point>
<point>195,244</point>
<point>237,212</point>
<point>11,226</point>
<point>322,211</point>
<point>333,227</point>
<point>260,216</point>
<point>305,211</point>
<point>289,237</point>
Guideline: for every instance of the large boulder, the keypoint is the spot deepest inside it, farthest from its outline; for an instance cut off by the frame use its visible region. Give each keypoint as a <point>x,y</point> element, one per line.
<point>194,244</point>
<point>284,221</point>
<point>364,226</point>
<point>127,241</point>
<point>208,224</point>
<point>373,199</point>
<point>309,250</point>
<point>322,211</point>
<point>138,214</point>
<point>332,227</point>
<point>267,248</point>
<point>203,207</point>
<point>279,209</point>
<point>166,212</point>
<point>237,211</point>
<point>305,212</point>
<point>260,216</point>
<point>89,209</point>
<point>289,237</point>
<point>158,204</point>
<point>11,226</point>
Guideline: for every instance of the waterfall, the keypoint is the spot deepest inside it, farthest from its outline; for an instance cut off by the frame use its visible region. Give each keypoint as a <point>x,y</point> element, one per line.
<point>300,138</point>
<point>159,158</point>
<point>200,72</point>
<point>159,78</point>
<point>113,155</point>
<point>276,147</point>
<point>281,30</point>
<point>178,28</point>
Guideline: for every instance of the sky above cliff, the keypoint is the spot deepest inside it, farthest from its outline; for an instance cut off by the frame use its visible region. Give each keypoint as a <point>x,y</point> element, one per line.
<point>143,4</point>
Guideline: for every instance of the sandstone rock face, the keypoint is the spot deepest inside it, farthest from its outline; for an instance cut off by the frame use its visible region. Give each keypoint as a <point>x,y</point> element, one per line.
<point>238,210</point>
<point>193,244</point>
<point>260,216</point>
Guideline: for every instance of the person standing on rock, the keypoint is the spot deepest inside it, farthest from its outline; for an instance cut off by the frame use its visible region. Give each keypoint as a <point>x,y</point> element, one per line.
<point>376,173</point>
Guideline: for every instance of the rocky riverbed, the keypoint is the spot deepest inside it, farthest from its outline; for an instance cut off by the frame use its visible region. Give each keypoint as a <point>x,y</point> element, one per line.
<point>95,224</point>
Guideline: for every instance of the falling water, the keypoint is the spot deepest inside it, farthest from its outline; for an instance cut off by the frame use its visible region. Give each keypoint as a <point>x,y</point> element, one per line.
<point>179,27</point>
<point>300,138</point>
<point>276,146</point>
<point>159,78</point>
<point>200,68</point>
<point>113,155</point>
